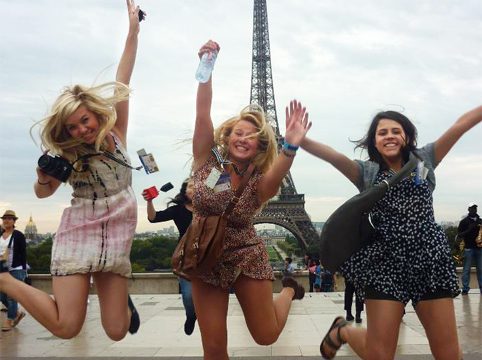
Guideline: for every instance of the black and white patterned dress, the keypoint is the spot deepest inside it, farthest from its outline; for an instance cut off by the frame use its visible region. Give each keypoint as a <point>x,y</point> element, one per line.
<point>410,257</point>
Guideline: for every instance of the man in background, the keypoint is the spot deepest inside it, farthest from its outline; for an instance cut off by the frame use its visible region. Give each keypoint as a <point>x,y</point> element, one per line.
<point>468,230</point>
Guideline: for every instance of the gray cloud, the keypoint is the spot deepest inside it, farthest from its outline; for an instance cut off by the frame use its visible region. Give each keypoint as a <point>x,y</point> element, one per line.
<point>344,60</point>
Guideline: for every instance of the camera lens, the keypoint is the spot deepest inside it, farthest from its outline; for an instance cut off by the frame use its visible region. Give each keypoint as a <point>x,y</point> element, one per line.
<point>44,161</point>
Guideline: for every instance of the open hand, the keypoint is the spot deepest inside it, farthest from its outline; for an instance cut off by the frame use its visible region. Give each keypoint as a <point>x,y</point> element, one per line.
<point>133,12</point>
<point>297,124</point>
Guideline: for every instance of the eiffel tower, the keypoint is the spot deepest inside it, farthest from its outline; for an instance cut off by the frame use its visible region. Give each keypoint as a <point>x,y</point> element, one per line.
<point>288,208</point>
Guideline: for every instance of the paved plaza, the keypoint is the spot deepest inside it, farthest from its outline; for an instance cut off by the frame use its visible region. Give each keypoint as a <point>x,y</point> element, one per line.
<point>161,334</point>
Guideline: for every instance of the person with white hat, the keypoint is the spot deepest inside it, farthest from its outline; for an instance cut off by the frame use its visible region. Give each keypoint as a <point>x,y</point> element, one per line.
<point>13,252</point>
<point>468,230</point>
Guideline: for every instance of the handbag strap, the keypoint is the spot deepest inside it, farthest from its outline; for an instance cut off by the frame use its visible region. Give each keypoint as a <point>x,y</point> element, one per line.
<point>10,241</point>
<point>239,191</point>
<point>404,172</point>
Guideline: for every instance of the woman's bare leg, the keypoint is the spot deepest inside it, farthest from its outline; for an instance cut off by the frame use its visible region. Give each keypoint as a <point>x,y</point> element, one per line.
<point>112,292</point>
<point>64,314</point>
<point>265,316</point>
<point>211,304</point>
<point>438,319</point>
<point>379,339</point>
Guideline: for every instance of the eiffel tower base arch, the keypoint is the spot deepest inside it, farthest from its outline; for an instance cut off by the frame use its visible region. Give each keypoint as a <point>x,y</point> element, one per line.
<point>289,212</point>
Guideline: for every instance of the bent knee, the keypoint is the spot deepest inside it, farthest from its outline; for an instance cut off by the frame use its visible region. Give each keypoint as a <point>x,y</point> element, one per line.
<point>265,338</point>
<point>67,331</point>
<point>115,333</point>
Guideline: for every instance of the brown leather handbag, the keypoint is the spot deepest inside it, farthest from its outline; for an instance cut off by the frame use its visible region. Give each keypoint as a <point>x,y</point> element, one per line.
<point>201,246</point>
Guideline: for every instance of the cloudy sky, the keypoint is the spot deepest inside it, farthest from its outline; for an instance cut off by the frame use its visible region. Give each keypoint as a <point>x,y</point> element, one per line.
<point>345,60</point>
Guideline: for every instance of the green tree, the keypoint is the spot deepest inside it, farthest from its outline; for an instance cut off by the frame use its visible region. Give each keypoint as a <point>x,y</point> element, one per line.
<point>38,257</point>
<point>153,254</point>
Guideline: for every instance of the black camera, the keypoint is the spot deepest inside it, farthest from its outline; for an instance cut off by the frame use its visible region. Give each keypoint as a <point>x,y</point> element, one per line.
<point>141,14</point>
<point>55,166</point>
<point>166,187</point>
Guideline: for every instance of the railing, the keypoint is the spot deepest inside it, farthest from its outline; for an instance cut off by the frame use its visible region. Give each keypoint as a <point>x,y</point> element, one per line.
<point>166,283</point>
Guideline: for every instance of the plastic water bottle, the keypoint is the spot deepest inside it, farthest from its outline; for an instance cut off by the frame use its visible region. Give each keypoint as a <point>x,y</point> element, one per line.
<point>206,66</point>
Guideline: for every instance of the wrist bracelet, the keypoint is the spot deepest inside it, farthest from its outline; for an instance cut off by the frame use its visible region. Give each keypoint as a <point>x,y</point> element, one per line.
<point>41,183</point>
<point>288,153</point>
<point>288,146</point>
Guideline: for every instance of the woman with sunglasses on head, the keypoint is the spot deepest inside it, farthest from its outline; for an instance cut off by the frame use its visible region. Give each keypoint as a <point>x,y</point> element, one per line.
<point>410,258</point>
<point>96,231</point>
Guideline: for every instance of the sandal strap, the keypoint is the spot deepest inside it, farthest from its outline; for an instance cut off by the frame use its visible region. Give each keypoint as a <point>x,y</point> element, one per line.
<point>337,324</point>
<point>327,340</point>
<point>341,324</point>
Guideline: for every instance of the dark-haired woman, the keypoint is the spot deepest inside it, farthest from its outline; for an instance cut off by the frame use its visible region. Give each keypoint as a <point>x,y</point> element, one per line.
<point>410,259</point>
<point>181,213</point>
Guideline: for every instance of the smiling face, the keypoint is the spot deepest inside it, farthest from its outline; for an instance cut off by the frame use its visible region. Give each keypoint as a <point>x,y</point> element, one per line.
<point>83,125</point>
<point>390,139</point>
<point>243,142</point>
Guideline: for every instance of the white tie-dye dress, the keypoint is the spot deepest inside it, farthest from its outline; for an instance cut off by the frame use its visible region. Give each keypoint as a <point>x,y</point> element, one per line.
<point>96,231</point>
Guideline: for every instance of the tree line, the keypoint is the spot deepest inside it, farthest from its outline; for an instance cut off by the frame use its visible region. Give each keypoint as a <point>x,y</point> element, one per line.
<point>154,254</point>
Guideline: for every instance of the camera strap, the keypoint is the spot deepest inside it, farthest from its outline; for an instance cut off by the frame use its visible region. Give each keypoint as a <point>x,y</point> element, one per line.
<point>108,155</point>
<point>111,156</point>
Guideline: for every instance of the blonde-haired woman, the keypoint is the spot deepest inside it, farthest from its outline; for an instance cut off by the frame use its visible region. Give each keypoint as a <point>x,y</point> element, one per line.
<point>244,266</point>
<point>95,234</point>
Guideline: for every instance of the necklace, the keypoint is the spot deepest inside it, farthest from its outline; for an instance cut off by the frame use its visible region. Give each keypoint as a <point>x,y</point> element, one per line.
<point>239,172</point>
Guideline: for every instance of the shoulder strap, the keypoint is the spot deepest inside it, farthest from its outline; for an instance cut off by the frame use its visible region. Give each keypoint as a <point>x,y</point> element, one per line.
<point>404,172</point>
<point>11,240</point>
<point>240,190</point>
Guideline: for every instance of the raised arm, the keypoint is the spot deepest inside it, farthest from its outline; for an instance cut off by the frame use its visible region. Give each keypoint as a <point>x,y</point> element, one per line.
<point>346,166</point>
<point>297,125</point>
<point>466,122</point>
<point>126,66</point>
<point>151,211</point>
<point>203,138</point>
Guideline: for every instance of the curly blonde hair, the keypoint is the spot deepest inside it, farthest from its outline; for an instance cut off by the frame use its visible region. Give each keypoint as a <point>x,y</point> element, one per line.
<point>267,145</point>
<point>100,99</point>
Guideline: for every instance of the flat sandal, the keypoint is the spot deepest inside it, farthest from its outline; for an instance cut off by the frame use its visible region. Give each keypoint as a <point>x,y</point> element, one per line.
<point>338,323</point>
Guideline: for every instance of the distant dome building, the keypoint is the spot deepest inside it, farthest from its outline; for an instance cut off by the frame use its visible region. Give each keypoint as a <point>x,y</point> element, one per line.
<point>31,230</point>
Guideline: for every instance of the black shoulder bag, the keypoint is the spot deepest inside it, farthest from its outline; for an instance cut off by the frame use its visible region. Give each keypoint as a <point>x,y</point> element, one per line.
<point>349,228</point>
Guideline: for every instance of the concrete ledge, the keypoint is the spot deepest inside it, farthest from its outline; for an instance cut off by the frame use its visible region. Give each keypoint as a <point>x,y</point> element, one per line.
<point>166,283</point>
<point>157,283</point>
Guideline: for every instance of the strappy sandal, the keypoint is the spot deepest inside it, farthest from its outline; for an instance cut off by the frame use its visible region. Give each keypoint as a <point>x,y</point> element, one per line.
<point>7,325</point>
<point>19,317</point>
<point>337,324</point>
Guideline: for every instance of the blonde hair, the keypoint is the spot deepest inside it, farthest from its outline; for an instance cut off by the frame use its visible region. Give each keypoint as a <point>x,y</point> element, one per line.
<point>100,99</point>
<point>267,145</point>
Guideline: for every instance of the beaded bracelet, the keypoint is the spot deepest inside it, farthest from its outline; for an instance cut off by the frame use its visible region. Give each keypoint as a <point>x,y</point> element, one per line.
<point>288,146</point>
